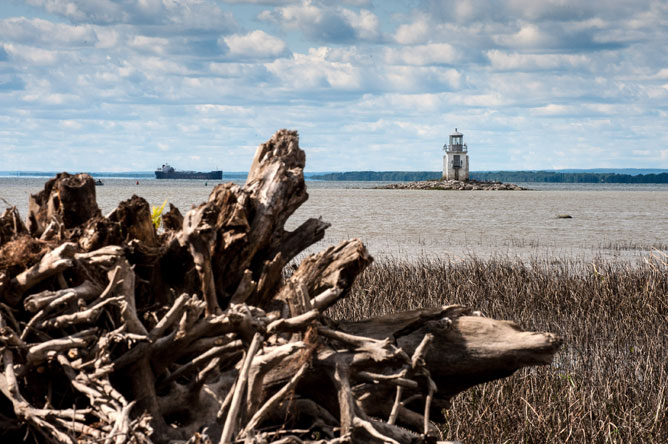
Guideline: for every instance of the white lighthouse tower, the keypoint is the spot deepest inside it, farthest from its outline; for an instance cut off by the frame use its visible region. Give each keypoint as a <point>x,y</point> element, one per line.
<point>456,159</point>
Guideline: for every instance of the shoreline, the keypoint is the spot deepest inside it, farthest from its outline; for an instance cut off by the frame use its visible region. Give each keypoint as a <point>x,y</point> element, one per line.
<point>453,185</point>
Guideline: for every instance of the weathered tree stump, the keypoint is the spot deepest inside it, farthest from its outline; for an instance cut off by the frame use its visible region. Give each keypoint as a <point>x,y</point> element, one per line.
<point>112,332</point>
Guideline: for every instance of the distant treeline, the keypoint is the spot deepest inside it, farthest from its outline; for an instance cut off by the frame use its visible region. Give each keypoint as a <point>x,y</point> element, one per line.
<point>557,177</point>
<point>380,176</point>
<point>498,176</point>
<point>125,175</point>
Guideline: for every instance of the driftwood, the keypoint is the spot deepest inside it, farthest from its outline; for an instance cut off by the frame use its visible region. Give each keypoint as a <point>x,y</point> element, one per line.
<point>111,332</point>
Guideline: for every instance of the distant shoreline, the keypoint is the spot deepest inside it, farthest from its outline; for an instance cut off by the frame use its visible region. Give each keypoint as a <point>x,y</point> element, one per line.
<point>500,176</point>
<point>108,175</point>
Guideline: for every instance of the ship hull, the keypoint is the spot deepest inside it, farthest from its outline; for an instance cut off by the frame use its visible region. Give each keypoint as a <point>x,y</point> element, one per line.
<point>211,175</point>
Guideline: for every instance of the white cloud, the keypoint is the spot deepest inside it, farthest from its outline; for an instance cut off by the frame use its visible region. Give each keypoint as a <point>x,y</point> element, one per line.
<point>419,79</point>
<point>326,23</point>
<point>529,36</point>
<point>34,55</point>
<point>155,45</point>
<point>193,14</point>
<point>106,37</point>
<point>314,71</point>
<point>157,65</point>
<point>415,32</point>
<point>50,99</point>
<point>501,60</point>
<point>431,54</point>
<point>545,10</point>
<point>96,11</point>
<point>71,124</point>
<point>286,2</point>
<point>407,103</point>
<point>662,74</point>
<point>555,110</point>
<point>365,23</point>
<point>43,32</point>
<point>255,44</point>
<point>223,110</point>
<point>260,2</point>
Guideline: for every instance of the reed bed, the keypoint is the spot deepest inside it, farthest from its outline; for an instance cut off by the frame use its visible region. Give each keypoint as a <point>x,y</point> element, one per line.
<point>609,383</point>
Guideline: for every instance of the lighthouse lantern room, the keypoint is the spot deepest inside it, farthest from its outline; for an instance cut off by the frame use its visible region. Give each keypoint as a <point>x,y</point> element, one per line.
<point>456,159</point>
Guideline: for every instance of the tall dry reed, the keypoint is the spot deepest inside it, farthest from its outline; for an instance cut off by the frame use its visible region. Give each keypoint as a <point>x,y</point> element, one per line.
<point>609,382</point>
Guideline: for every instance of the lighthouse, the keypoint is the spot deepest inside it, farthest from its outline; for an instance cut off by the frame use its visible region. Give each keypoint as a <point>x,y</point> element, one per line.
<point>456,159</point>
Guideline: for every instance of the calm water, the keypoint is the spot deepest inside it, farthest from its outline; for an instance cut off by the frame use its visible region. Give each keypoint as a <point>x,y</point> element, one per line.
<point>610,220</point>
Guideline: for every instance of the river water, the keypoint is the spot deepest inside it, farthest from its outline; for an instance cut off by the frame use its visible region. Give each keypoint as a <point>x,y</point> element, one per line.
<point>608,220</point>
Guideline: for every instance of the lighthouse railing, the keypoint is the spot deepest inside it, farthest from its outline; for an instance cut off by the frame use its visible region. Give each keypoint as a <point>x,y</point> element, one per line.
<point>458,148</point>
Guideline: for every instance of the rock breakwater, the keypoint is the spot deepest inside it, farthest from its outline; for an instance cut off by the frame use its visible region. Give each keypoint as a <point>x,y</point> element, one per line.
<point>457,185</point>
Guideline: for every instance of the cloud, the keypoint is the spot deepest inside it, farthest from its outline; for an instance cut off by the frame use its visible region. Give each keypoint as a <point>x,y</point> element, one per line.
<point>427,102</point>
<point>123,79</point>
<point>326,23</point>
<point>555,37</point>
<point>41,32</point>
<point>504,61</point>
<point>314,71</point>
<point>248,72</point>
<point>260,2</point>
<point>345,69</point>
<point>154,45</point>
<point>416,32</point>
<point>662,74</point>
<point>359,3</point>
<point>89,11</point>
<point>466,11</point>
<point>431,54</point>
<point>556,110</point>
<point>191,14</point>
<point>256,44</point>
<point>34,55</point>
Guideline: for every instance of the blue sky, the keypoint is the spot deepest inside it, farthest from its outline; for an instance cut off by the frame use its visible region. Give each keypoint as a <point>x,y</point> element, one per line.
<point>121,85</point>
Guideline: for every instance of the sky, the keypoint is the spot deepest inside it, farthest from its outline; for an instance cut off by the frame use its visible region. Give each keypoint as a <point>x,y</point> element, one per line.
<point>127,85</point>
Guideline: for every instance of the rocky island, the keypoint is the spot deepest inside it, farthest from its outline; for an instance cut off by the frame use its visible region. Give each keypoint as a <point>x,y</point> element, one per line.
<point>452,184</point>
<point>455,172</point>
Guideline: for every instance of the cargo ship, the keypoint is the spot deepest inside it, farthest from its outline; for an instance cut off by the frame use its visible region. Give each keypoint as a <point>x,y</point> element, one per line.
<point>168,172</point>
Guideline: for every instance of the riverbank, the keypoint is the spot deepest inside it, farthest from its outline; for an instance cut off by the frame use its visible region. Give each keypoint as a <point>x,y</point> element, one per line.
<point>453,185</point>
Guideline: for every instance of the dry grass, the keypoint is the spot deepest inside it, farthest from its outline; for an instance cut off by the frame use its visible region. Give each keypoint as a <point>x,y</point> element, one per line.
<point>609,382</point>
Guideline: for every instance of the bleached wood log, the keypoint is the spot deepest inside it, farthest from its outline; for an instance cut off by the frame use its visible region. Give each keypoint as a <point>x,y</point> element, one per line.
<point>470,350</point>
<point>52,263</point>
<point>38,353</point>
<point>153,367</point>
<point>239,388</point>
<point>198,235</point>
<point>86,291</point>
<point>273,402</point>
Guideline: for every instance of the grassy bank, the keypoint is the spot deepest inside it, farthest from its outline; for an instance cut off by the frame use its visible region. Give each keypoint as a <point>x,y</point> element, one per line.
<point>609,382</point>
